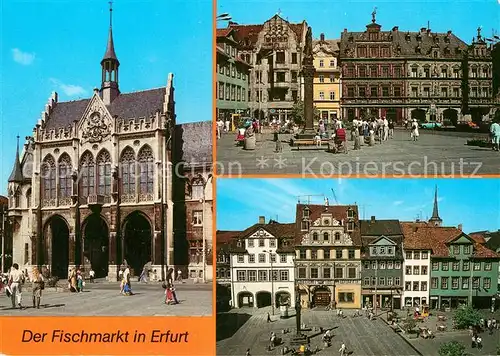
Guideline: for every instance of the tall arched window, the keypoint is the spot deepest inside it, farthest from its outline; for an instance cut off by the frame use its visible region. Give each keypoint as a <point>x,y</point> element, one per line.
<point>87,174</point>
<point>104,172</point>
<point>65,180</point>
<point>146,169</point>
<point>49,179</point>
<point>28,198</point>
<point>17,198</point>
<point>128,164</point>
<point>198,188</point>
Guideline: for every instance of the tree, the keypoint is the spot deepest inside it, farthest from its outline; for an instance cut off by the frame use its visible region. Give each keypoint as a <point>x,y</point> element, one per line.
<point>465,317</point>
<point>298,113</point>
<point>452,348</point>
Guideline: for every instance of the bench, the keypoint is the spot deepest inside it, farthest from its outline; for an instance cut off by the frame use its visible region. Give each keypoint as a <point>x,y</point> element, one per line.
<point>310,144</point>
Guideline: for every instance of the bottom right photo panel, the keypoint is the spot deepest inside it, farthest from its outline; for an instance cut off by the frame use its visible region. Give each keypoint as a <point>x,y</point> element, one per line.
<point>358,266</point>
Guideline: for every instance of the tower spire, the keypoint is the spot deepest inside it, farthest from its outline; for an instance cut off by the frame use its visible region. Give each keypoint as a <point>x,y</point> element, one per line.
<point>109,66</point>
<point>16,176</point>
<point>435,219</point>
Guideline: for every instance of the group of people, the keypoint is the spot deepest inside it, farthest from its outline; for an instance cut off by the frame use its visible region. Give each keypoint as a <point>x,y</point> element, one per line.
<point>76,280</point>
<point>15,281</point>
<point>381,129</point>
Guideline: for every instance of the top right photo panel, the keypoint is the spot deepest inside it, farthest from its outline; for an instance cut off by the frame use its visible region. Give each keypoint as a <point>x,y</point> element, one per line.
<point>358,89</point>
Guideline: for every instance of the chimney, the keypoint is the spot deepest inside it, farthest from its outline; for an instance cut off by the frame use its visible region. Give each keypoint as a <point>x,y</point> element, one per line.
<point>345,30</point>
<point>395,29</point>
<point>262,220</point>
<point>460,227</point>
<point>423,30</point>
<point>322,37</point>
<point>449,32</point>
<point>373,218</point>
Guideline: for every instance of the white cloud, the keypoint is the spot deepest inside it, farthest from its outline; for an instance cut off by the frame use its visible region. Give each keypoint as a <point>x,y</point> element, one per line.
<point>69,89</point>
<point>398,202</point>
<point>21,57</point>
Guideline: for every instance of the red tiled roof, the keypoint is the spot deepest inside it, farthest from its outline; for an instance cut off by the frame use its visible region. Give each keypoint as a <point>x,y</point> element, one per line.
<point>339,212</point>
<point>424,236</point>
<point>223,32</point>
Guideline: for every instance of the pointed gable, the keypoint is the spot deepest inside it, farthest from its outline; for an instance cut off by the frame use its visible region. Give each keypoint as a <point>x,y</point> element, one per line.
<point>382,241</point>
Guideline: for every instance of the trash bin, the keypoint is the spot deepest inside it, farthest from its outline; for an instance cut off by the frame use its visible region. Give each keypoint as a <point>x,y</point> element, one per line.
<point>250,143</point>
<point>283,311</point>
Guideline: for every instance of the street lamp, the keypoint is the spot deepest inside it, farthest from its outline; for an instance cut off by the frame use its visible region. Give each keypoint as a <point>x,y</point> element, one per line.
<point>3,211</point>
<point>272,279</point>
<point>204,258</point>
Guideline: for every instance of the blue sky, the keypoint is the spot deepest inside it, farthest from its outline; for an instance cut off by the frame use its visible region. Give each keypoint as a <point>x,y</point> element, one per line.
<point>332,16</point>
<point>475,203</point>
<point>57,45</point>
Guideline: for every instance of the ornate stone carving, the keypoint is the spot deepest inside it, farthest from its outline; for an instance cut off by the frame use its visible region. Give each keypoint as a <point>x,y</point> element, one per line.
<point>96,127</point>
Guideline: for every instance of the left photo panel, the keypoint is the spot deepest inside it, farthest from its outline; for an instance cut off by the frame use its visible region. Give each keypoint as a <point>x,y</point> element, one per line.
<point>106,171</point>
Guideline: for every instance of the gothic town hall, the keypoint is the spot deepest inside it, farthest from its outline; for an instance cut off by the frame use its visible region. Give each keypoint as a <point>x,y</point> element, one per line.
<point>95,184</point>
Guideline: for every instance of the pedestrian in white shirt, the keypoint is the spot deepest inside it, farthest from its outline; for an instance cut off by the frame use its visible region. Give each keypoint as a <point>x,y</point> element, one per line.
<point>16,280</point>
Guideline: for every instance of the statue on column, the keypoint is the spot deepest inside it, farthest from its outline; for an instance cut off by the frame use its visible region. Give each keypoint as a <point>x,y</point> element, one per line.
<point>308,44</point>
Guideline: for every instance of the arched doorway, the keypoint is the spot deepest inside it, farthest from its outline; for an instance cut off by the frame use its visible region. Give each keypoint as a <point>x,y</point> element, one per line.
<point>245,299</point>
<point>95,245</point>
<point>322,297</point>
<point>283,298</point>
<point>418,114</point>
<point>450,115</point>
<point>263,299</point>
<point>57,238</point>
<point>137,239</point>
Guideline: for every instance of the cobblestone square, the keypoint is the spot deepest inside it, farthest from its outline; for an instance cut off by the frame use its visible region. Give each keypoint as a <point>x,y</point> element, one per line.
<point>435,152</point>
<point>104,299</point>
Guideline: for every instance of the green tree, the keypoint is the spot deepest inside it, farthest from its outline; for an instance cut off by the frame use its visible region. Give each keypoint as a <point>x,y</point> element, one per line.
<point>452,348</point>
<point>465,317</point>
<point>298,113</point>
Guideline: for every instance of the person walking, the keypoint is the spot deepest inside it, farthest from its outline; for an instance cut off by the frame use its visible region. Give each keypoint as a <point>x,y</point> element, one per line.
<point>391,129</point>
<point>79,281</point>
<point>386,129</point>
<point>414,130</point>
<point>268,318</point>
<point>72,280</point>
<point>16,280</point>
<point>179,275</point>
<point>91,275</point>
<point>170,284</point>
<point>37,285</point>
<point>247,353</point>
<point>479,343</point>
<point>127,288</point>
<point>495,135</point>
<point>342,349</point>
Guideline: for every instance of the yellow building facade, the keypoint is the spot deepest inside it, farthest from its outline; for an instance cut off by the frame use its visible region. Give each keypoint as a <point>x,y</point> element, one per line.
<point>326,80</point>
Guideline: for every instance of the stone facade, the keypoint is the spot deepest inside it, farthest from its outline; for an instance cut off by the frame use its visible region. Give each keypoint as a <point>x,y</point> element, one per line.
<point>231,90</point>
<point>275,51</point>
<point>93,186</point>
<point>327,257</point>
<point>326,79</point>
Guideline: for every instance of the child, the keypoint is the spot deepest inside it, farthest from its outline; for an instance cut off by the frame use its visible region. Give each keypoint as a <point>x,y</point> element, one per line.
<point>279,146</point>
<point>317,139</point>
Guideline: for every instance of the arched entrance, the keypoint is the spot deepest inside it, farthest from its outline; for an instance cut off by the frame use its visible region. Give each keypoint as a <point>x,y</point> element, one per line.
<point>57,245</point>
<point>263,299</point>
<point>137,239</point>
<point>418,114</point>
<point>322,297</point>
<point>283,298</point>
<point>95,245</point>
<point>245,299</point>
<point>450,115</point>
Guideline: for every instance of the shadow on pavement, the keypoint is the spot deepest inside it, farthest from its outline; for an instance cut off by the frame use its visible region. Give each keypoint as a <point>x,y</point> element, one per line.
<point>227,324</point>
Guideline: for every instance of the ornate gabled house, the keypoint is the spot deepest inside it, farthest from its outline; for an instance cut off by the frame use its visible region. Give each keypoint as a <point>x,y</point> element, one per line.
<point>274,49</point>
<point>327,255</point>
<point>262,265</point>
<point>93,185</point>
<point>382,257</point>
<point>326,79</point>
<point>422,75</point>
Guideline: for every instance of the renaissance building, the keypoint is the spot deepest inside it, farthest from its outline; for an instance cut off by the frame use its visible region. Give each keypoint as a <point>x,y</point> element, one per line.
<point>93,188</point>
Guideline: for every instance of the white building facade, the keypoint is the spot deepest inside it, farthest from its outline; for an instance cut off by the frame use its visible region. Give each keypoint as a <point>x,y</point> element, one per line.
<point>416,277</point>
<point>260,253</point>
